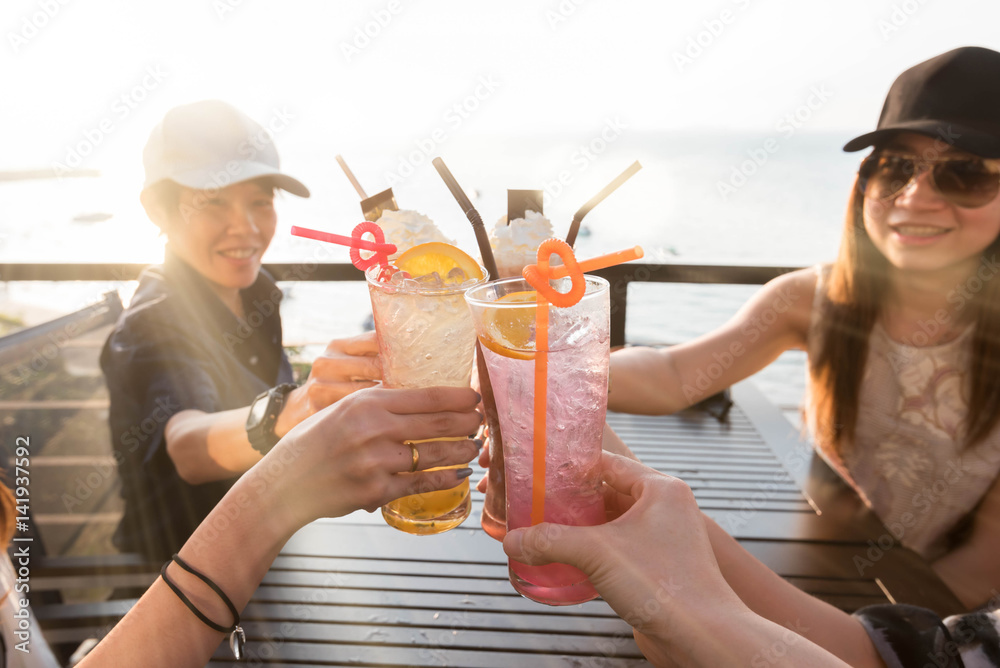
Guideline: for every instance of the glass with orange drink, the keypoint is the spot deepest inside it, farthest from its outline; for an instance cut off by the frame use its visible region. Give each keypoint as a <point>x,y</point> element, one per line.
<point>426,338</point>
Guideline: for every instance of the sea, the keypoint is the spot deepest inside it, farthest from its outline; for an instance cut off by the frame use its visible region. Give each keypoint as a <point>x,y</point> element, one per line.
<point>701,197</point>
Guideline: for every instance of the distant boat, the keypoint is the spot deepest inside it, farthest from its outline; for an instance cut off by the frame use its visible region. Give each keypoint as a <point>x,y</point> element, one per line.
<point>584,231</point>
<point>92,217</point>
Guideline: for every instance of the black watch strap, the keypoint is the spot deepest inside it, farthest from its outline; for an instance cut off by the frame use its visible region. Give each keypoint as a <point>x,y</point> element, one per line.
<point>263,417</point>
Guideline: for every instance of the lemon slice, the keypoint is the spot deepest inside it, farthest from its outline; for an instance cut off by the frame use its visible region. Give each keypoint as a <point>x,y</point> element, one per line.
<point>511,331</point>
<point>438,257</point>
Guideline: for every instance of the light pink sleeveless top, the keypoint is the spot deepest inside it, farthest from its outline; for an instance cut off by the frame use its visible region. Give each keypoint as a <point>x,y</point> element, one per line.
<point>908,461</point>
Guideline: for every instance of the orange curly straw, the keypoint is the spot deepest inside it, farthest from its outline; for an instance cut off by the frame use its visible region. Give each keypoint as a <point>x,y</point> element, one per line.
<point>538,276</point>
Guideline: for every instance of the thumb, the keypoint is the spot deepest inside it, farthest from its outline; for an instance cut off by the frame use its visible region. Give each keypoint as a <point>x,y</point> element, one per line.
<point>547,543</point>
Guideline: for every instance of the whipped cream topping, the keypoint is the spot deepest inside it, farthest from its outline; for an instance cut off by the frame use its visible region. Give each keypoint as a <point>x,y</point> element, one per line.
<point>516,245</point>
<point>407,229</point>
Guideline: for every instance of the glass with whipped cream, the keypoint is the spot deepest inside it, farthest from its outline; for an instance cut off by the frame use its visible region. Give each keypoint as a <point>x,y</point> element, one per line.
<point>515,243</point>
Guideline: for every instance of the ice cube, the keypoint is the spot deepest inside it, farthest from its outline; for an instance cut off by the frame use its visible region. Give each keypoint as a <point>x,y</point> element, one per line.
<point>431,280</point>
<point>385,274</point>
<point>398,278</point>
<point>456,275</point>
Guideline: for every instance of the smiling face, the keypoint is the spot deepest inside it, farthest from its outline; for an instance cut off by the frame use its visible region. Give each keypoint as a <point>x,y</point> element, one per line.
<point>919,230</point>
<point>222,234</point>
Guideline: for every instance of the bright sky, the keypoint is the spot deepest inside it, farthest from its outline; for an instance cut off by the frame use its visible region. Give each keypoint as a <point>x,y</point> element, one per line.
<point>536,66</point>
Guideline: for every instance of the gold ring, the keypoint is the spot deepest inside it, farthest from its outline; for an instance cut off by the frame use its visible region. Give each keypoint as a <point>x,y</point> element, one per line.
<point>416,457</point>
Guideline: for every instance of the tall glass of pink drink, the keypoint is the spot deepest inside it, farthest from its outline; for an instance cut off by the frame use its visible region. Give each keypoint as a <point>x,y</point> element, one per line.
<point>577,384</point>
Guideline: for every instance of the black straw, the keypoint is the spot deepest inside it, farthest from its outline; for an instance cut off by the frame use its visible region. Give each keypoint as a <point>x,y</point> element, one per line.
<point>597,199</point>
<point>482,238</point>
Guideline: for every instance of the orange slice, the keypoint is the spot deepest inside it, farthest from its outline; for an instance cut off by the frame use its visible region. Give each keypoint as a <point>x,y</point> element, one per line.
<point>511,331</point>
<point>438,257</point>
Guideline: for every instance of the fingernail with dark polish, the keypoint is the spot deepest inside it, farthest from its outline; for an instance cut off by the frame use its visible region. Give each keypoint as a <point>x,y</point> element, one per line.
<point>479,443</point>
<point>479,397</point>
<point>463,473</point>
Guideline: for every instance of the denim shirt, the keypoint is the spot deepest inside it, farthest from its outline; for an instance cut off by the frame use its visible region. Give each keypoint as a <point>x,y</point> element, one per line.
<point>178,347</point>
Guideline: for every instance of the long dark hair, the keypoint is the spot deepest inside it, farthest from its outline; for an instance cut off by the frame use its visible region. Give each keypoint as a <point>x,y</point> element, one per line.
<point>854,293</point>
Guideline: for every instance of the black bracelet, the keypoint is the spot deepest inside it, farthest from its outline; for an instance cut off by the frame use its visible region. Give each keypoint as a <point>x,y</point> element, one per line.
<point>236,636</point>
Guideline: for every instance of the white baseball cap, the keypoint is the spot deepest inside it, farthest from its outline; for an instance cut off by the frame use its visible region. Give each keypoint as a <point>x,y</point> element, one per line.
<point>209,145</point>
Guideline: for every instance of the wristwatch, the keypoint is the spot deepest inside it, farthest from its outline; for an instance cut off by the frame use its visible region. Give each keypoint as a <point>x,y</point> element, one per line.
<point>264,412</point>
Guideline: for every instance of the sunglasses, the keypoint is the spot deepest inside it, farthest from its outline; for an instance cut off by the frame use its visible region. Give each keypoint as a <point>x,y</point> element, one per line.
<point>968,182</point>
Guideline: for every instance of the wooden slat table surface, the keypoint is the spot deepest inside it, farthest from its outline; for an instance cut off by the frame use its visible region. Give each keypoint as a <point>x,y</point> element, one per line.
<point>354,592</point>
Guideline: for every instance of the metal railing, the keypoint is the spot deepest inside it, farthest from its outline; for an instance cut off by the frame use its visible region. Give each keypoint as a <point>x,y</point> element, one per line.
<point>22,344</point>
<point>620,277</point>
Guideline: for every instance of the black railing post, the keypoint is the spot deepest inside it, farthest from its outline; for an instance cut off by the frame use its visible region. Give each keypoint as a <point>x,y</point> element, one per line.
<point>618,277</point>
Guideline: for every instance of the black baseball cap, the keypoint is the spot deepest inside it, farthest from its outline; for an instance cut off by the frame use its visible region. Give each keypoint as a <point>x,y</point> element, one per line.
<point>954,97</point>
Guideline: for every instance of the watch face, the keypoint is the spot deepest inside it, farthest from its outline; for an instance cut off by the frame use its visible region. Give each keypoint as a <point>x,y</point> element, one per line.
<point>258,411</point>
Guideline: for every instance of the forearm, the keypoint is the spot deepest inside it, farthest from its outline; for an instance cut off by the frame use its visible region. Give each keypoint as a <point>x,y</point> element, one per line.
<point>733,637</point>
<point>159,630</point>
<point>766,643</point>
<point>775,599</point>
<point>972,575</point>
<point>209,446</point>
<point>643,380</point>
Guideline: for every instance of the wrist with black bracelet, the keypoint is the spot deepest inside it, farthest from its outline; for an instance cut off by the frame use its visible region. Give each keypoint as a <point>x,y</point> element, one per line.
<point>237,638</point>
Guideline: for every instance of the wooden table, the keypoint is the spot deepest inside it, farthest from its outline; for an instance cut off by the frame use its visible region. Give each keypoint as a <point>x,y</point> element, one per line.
<point>353,591</point>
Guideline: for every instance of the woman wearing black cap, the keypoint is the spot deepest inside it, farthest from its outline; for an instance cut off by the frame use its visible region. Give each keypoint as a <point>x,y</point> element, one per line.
<point>902,330</point>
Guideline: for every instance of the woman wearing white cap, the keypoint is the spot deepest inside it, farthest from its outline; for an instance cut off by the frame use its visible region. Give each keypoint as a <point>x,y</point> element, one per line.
<point>200,385</point>
<point>902,330</point>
